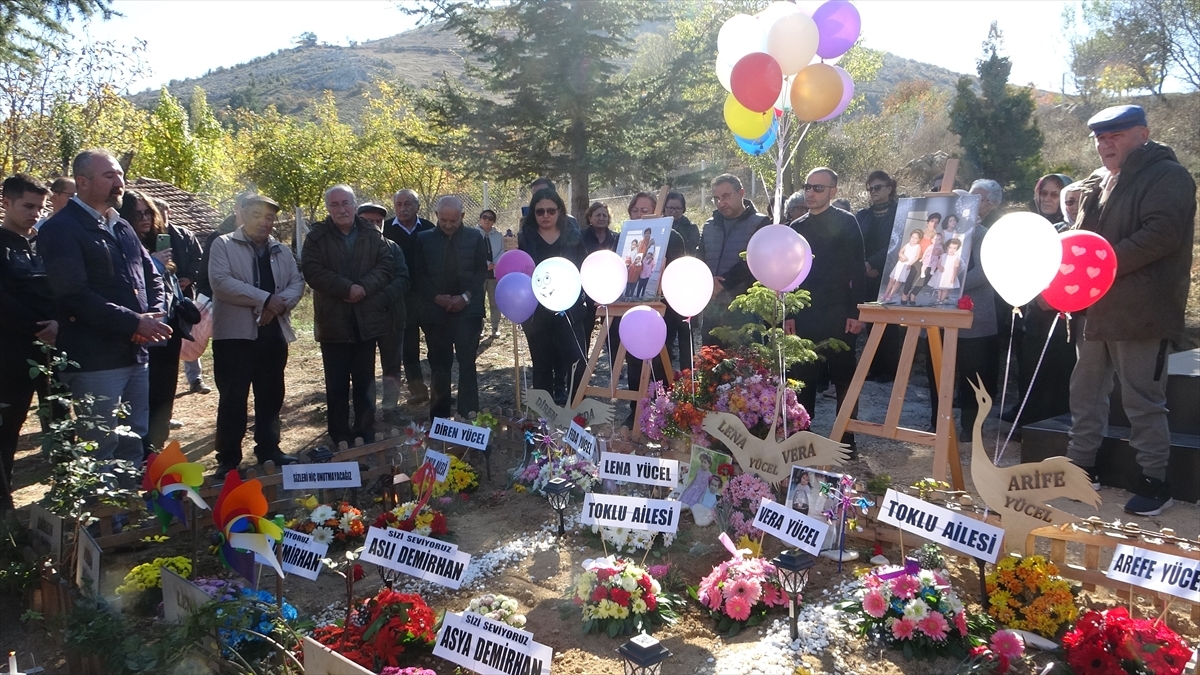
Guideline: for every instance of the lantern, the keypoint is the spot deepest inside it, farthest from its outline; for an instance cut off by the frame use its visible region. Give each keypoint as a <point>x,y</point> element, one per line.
<point>791,570</point>
<point>643,655</point>
<point>558,493</point>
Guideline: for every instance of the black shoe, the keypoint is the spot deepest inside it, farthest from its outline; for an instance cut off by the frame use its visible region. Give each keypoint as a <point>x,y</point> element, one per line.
<point>219,474</point>
<point>1151,497</point>
<point>279,458</point>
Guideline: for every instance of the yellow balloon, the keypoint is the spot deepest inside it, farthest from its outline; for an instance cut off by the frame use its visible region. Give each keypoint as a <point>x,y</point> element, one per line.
<point>747,123</point>
<point>816,91</point>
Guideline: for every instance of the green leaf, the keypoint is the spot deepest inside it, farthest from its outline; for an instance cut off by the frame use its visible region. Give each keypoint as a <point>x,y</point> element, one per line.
<point>614,627</point>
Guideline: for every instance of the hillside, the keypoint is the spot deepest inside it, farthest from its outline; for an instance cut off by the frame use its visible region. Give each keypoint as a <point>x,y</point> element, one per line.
<point>291,78</point>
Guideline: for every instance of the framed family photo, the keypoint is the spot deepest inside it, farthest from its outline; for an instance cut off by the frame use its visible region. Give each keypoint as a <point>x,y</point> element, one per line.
<point>929,251</point>
<point>643,247</point>
<point>806,496</point>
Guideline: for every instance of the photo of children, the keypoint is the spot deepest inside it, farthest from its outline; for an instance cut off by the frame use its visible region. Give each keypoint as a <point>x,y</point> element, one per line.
<point>929,252</point>
<point>643,245</point>
<point>700,484</point>
<point>805,494</point>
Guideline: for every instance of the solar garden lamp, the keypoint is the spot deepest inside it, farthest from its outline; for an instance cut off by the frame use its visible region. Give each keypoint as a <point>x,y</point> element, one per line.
<point>558,492</point>
<point>791,570</point>
<point>643,655</point>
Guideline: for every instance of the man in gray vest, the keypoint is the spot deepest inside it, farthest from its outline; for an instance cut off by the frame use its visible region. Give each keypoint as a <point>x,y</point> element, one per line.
<point>722,243</point>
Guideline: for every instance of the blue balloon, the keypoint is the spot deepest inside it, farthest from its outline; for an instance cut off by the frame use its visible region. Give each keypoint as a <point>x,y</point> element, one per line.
<point>759,146</point>
<point>515,298</point>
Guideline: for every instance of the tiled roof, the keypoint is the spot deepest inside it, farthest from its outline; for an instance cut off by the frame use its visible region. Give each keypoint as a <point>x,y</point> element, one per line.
<point>187,210</point>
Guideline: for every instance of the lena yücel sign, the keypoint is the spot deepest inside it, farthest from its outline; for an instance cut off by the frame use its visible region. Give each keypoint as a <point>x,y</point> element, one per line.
<point>581,441</point>
<point>953,529</point>
<point>484,646</point>
<point>634,513</point>
<point>180,596</point>
<point>1156,571</point>
<point>790,526</point>
<point>460,433</point>
<point>320,476</point>
<point>415,555</point>
<point>639,469</point>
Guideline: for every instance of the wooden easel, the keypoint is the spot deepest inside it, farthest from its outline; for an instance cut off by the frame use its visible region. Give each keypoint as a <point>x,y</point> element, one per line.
<point>618,309</point>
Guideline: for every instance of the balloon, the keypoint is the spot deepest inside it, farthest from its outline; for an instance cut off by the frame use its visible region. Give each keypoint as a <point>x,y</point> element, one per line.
<point>740,35</point>
<point>756,80</point>
<point>557,284</point>
<point>805,268</point>
<point>724,70</point>
<point>776,254</point>
<point>759,146</point>
<point>743,122</point>
<point>514,297</point>
<point>816,92</point>
<point>687,284</point>
<point>839,24</point>
<point>515,260</point>
<point>603,275</point>
<point>1020,255</point>
<point>784,102</point>
<point>1087,271</point>
<point>643,332</point>
<point>847,94</point>
<point>792,40</point>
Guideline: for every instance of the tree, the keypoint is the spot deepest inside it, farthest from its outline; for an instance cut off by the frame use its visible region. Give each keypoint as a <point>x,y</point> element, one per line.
<point>305,39</point>
<point>27,25</point>
<point>998,133</point>
<point>1135,45</point>
<point>555,96</point>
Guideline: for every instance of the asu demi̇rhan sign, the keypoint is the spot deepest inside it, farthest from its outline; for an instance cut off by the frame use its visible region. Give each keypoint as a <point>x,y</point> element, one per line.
<point>422,557</point>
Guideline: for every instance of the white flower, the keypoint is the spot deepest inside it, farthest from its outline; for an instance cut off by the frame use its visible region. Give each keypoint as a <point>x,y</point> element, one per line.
<point>321,514</point>
<point>322,535</point>
<point>345,522</point>
<point>916,609</point>
<point>517,621</point>
<point>629,584</point>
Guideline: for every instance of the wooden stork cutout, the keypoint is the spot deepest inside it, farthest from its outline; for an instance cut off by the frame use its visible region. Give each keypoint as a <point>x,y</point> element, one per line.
<point>542,404</point>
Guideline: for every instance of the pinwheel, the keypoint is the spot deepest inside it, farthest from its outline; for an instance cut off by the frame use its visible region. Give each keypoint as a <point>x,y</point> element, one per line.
<point>242,526</point>
<point>169,472</point>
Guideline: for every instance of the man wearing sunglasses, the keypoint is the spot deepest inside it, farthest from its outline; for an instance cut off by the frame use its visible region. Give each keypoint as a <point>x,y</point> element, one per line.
<point>875,225</point>
<point>722,243</point>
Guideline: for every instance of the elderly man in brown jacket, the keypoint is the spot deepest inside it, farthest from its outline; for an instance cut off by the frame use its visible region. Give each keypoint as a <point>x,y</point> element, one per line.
<point>349,266</point>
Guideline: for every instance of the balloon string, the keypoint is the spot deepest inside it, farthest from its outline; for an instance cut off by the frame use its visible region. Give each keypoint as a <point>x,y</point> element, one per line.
<point>782,412</point>
<point>574,361</point>
<point>1068,324</point>
<point>1028,391</point>
<point>691,366</point>
<point>1016,311</point>
<point>520,364</point>
<point>612,377</point>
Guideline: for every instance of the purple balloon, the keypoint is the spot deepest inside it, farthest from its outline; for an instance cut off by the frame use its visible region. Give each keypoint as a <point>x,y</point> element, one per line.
<point>805,267</point>
<point>514,296</point>
<point>515,260</point>
<point>643,332</point>
<point>847,94</point>
<point>838,23</point>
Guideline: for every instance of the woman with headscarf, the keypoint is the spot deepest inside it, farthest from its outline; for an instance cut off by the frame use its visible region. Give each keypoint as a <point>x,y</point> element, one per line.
<point>1046,196</point>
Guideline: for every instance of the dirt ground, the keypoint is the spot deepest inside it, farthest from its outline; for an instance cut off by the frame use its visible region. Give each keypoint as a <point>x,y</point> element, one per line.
<point>540,581</point>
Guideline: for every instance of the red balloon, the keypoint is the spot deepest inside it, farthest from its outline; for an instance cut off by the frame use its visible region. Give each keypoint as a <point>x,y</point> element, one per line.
<point>756,81</point>
<point>1087,271</point>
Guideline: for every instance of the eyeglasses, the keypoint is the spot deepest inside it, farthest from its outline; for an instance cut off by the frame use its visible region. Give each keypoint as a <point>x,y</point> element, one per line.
<point>491,218</point>
<point>138,215</point>
<point>717,199</point>
<point>552,211</point>
<point>819,189</point>
<point>876,188</point>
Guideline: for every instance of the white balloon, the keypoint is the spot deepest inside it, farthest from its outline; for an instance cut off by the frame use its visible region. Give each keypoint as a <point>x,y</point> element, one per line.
<point>742,34</point>
<point>784,102</point>
<point>1020,255</point>
<point>603,275</point>
<point>557,284</point>
<point>687,284</point>
<point>724,73</point>
<point>792,40</point>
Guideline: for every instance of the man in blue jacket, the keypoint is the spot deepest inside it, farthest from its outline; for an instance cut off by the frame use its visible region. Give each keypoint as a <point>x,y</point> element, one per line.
<point>108,301</point>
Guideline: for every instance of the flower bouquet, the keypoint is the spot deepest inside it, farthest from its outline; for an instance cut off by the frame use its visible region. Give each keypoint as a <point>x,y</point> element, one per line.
<point>996,656</point>
<point>621,598</point>
<point>381,628</point>
<point>624,539</point>
<point>917,613</point>
<point>144,582</point>
<point>1028,594</point>
<point>582,472</point>
<point>738,592</point>
<point>740,499</point>
<point>498,608</point>
<point>340,523</point>
<point>429,522</point>
<point>1112,643</point>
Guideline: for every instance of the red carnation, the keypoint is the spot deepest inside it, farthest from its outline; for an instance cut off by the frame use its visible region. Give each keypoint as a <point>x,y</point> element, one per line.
<point>651,602</point>
<point>357,573</point>
<point>965,302</point>
<point>580,420</point>
<point>438,526</point>
<point>619,596</point>
<point>645,582</point>
<point>604,574</point>
<point>599,593</point>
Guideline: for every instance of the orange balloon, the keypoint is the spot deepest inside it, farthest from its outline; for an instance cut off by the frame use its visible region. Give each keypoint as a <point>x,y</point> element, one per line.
<point>816,92</point>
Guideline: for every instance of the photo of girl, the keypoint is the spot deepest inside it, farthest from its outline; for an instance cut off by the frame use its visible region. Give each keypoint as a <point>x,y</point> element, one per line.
<point>807,490</point>
<point>947,277</point>
<point>647,267</point>
<point>899,279</point>
<point>701,476</point>
<point>800,493</point>
<point>643,245</point>
<point>920,272</point>
<point>931,260</point>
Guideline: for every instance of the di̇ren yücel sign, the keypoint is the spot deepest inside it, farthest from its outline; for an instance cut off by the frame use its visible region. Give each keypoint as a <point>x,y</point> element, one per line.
<point>484,646</point>
<point>639,469</point>
<point>460,433</point>
<point>953,529</point>
<point>415,555</point>
<point>1156,571</point>
<point>320,476</point>
<point>635,513</point>
<point>583,443</point>
<point>790,526</point>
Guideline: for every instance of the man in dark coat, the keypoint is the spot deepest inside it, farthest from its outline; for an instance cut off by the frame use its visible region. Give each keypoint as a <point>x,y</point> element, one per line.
<point>391,345</point>
<point>689,236</point>
<point>403,229</point>
<point>1143,201</point>
<point>875,223</point>
<point>349,266</point>
<point>722,244</point>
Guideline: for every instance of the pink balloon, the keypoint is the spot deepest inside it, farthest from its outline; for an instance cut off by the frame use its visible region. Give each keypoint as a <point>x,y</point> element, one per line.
<point>515,260</point>
<point>847,94</point>
<point>805,268</point>
<point>776,254</point>
<point>839,24</point>
<point>643,332</point>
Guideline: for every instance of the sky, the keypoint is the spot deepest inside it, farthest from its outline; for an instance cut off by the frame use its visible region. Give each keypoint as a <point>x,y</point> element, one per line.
<point>186,38</point>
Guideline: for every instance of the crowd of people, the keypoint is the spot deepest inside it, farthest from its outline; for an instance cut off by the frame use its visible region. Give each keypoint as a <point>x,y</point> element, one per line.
<point>109,281</point>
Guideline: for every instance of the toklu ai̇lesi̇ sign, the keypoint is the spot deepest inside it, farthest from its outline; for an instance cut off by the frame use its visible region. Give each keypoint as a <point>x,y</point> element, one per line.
<point>952,529</point>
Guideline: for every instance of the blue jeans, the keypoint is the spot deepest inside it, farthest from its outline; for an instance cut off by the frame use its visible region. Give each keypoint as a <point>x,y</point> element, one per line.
<point>130,385</point>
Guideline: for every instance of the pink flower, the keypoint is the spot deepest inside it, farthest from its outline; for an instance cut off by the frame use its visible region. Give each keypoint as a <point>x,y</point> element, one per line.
<point>874,604</point>
<point>773,596</point>
<point>903,629</point>
<point>737,608</point>
<point>1008,644</point>
<point>751,591</point>
<point>960,622</point>
<point>905,587</point>
<point>935,626</point>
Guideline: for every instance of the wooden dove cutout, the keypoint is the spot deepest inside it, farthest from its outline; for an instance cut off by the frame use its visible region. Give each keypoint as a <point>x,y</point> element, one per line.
<point>542,404</point>
<point>1019,494</point>
<point>769,460</point>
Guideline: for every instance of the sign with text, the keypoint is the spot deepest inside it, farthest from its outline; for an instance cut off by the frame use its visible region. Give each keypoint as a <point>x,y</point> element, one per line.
<point>460,433</point>
<point>47,528</point>
<point>953,529</point>
<point>180,596</point>
<point>790,526</point>
<point>578,439</point>
<point>321,660</point>
<point>422,557</point>
<point>321,476</point>
<point>87,563</point>
<point>635,513</point>
<point>484,646</point>
<point>1156,571</point>
<point>441,464</point>
<point>639,469</point>
<point>300,556</point>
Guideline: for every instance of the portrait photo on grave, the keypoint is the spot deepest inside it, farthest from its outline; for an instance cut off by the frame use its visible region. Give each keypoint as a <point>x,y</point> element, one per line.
<point>808,491</point>
<point>701,480</point>
<point>929,251</point>
<point>643,247</point>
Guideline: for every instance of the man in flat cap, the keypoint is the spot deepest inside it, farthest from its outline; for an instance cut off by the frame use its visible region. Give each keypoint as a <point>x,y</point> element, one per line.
<point>391,343</point>
<point>1144,203</point>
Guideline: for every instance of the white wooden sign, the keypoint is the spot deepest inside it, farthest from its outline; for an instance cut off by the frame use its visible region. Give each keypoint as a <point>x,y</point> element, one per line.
<point>180,596</point>
<point>88,575</point>
<point>321,660</point>
<point>321,476</point>
<point>441,464</point>
<point>460,433</point>
<point>484,646</point>
<point>639,469</point>
<point>47,528</point>
<point>1170,574</point>
<point>422,557</point>
<point>790,526</point>
<point>952,529</point>
<point>582,442</point>
<point>635,513</point>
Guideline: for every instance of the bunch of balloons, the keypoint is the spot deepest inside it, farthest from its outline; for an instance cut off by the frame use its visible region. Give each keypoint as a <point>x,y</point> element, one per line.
<point>774,61</point>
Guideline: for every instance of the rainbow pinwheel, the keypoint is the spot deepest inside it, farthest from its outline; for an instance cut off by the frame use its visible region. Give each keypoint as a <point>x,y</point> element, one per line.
<point>242,527</point>
<point>169,477</point>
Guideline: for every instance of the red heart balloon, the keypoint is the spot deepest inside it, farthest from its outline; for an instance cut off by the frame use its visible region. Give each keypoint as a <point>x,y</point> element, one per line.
<point>1087,271</point>
<point>756,81</point>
